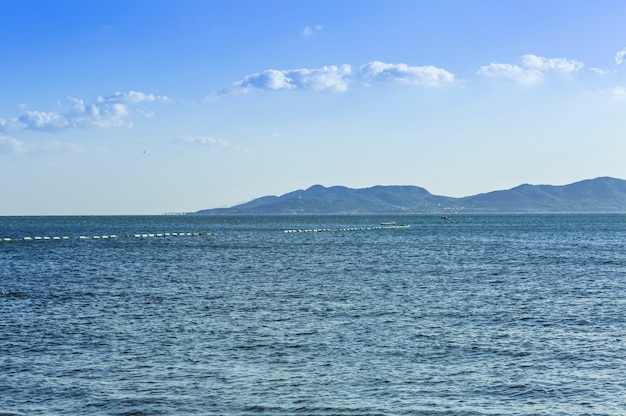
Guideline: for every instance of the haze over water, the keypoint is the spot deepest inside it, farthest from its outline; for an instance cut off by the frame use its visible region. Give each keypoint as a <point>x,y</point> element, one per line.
<point>476,315</point>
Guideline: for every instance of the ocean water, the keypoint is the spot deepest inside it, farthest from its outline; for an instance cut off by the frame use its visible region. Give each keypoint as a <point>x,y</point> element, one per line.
<point>476,315</point>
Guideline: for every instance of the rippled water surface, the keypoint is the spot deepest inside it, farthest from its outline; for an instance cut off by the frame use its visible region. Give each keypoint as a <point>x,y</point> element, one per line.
<point>476,315</point>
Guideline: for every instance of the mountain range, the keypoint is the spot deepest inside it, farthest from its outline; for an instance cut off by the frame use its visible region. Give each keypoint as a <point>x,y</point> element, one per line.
<point>600,195</point>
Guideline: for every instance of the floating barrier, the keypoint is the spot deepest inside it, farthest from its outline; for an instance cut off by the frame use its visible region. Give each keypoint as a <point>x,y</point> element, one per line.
<point>389,226</point>
<point>106,237</point>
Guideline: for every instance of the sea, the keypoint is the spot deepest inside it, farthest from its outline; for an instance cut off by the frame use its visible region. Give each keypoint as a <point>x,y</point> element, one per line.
<point>313,315</point>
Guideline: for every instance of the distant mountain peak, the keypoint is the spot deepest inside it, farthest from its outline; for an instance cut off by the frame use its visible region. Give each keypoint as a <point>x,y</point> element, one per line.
<point>603,194</point>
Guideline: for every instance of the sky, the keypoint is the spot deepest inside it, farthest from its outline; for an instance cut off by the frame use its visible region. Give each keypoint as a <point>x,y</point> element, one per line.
<point>149,107</point>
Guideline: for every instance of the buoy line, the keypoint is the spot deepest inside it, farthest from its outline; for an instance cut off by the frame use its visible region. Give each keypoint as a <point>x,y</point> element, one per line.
<point>322,230</point>
<point>107,237</point>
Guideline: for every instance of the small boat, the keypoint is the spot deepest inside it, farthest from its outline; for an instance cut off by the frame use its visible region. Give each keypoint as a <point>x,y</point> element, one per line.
<point>445,217</point>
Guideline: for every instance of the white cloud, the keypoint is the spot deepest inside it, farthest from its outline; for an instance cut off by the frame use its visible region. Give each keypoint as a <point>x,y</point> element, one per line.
<point>211,142</point>
<point>55,146</point>
<point>270,79</point>
<point>103,112</point>
<point>599,71</point>
<point>10,145</point>
<point>429,76</point>
<point>619,93</point>
<point>514,72</point>
<point>10,124</point>
<point>328,78</point>
<point>132,97</point>
<point>308,31</point>
<point>146,114</point>
<point>619,56</point>
<point>533,69</point>
<point>41,120</point>
<point>109,116</point>
<point>563,66</point>
<point>79,105</point>
<point>336,79</point>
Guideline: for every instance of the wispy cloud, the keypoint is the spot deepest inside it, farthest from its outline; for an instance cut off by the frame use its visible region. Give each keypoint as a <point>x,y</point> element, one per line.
<point>532,70</point>
<point>619,93</point>
<point>104,112</point>
<point>308,31</point>
<point>619,56</point>
<point>132,97</point>
<point>599,71</point>
<point>12,146</point>
<point>55,146</point>
<point>428,76</point>
<point>211,142</point>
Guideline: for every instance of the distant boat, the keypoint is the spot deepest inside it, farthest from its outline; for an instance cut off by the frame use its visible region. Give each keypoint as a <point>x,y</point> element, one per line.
<point>445,217</point>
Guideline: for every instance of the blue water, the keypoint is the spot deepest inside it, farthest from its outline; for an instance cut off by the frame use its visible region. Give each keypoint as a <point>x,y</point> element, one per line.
<point>476,315</point>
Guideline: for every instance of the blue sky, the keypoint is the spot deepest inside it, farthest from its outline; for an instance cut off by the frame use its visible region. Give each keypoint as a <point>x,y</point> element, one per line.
<point>147,107</point>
